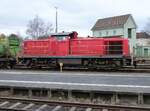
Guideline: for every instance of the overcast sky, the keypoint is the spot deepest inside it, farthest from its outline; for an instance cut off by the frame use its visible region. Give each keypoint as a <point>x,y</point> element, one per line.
<point>73,15</point>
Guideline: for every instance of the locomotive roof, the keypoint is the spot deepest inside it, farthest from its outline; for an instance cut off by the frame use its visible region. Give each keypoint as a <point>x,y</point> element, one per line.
<point>62,33</point>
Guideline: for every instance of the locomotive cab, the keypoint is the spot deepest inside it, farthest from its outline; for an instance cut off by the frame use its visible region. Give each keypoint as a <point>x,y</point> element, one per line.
<point>114,47</point>
<point>65,35</point>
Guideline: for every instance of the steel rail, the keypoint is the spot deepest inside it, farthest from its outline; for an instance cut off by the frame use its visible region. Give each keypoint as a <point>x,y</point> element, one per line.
<point>70,104</point>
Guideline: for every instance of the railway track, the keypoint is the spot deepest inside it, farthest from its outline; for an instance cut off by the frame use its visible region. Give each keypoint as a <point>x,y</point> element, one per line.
<point>17,104</point>
<point>126,69</point>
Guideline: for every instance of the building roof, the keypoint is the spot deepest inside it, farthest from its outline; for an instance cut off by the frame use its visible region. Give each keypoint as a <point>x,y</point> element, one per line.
<point>142,35</point>
<point>111,22</point>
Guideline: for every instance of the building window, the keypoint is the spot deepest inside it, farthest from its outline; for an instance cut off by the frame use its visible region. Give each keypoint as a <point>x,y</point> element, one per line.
<point>145,52</point>
<point>129,32</point>
<point>100,34</point>
<point>114,32</point>
<point>107,33</point>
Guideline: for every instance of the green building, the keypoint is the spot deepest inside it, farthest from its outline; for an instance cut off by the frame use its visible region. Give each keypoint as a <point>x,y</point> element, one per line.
<point>123,26</point>
<point>143,45</point>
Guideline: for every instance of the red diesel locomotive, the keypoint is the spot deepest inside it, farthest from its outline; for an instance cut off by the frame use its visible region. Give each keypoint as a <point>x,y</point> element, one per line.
<point>71,50</point>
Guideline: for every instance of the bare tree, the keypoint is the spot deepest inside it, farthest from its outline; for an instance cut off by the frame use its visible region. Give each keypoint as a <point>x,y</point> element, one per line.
<point>147,27</point>
<point>37,28</point>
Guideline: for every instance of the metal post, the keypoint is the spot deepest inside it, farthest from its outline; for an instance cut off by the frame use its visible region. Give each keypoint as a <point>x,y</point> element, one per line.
<point>11,91</point>
<point>114,99</point>
<point>140,98</point>
<point>30,93</point>
<point>49,94</point>
<point>56,20</point>
<point>91,96</point>
<point>61,66</point>
<point>69,95</point>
